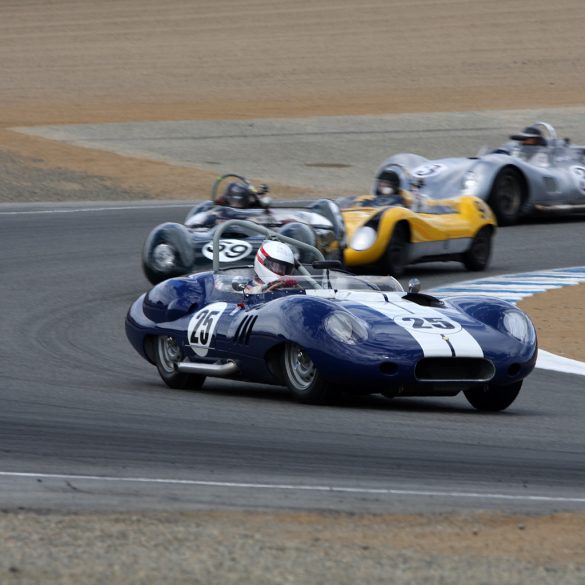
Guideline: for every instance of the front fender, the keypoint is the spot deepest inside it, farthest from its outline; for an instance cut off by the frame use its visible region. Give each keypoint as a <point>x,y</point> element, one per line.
<point>384,223</point>
<point>486,170</point>
<point>178,238</point>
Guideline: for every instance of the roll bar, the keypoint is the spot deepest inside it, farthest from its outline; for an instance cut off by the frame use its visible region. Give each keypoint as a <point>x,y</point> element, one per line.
<point>270,234</point>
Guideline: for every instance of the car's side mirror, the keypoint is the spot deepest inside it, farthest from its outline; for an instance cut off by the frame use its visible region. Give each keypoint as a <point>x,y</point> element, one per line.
<point>239,284</point>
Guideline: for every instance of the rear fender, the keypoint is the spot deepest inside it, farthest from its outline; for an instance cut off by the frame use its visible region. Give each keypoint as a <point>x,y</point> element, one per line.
<point>476,211</point>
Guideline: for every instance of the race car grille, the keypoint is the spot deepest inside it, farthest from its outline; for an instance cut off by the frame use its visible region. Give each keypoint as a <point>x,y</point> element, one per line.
<point>242,335</point>
<point>454,370</point>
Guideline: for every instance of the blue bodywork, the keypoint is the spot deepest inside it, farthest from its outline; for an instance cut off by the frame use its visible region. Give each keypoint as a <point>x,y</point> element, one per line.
<point>252,329</point>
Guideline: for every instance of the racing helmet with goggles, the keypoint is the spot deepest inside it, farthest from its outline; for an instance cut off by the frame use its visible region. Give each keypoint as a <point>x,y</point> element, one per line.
<point>238,195</point>
<point>273,260</point>
<point>530,136</point>
<point>387,183</point>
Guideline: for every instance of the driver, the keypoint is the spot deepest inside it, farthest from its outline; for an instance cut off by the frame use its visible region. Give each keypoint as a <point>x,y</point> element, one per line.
<point>237,195</point>
<point>530,136</point>
<point>387,184</point>
<point>387,191</point>
<point>274,261</point>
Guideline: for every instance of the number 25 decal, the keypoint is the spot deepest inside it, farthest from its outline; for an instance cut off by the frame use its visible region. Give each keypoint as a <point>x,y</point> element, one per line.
<point>202,327</point>
<point>428,324</point>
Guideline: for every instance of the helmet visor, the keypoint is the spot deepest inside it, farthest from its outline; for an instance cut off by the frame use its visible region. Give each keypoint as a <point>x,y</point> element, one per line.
<point>278,266</point>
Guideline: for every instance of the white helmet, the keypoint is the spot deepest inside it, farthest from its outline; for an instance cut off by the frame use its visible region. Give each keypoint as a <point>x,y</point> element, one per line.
<point>273,260</point>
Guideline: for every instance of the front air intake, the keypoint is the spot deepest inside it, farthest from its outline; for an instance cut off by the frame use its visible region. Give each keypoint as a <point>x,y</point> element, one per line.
<point>454,370</point>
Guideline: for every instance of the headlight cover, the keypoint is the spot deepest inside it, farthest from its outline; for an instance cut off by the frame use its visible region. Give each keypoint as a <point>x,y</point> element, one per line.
<point>518,325</point>
<point>469,183</point>
<point>364,238</point>
<point>346,328</point>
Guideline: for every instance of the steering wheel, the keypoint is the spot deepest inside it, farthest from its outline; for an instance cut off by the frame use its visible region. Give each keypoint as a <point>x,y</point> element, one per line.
<point>255,192</point>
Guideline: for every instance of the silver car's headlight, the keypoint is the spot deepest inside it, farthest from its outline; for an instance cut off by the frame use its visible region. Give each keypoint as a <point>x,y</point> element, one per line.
<point>518,325</point>
<point>346,328</point>
<point>364,238</point>
<point>469,183</point>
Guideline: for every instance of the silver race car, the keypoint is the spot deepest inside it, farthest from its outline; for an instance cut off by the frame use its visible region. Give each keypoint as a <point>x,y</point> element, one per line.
<point>536,171</point>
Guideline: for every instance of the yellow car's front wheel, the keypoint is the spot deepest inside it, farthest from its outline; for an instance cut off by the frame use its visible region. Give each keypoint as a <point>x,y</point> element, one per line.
<point>396,257</point>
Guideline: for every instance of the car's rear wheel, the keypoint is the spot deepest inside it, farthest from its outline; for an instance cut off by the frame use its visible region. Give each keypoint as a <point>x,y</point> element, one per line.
<point>506,196</point>
<point>478,255</point>
<point>167,355</point>
<point>396,256</point>
<point>302,378</point>
<point>493,398</point>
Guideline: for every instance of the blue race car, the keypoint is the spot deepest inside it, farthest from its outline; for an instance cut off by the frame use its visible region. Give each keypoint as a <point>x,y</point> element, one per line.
<point>326,331</point>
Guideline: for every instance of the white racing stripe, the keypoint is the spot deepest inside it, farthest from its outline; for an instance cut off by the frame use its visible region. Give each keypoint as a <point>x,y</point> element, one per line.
<point>301,487</point>
<point>437,334</point>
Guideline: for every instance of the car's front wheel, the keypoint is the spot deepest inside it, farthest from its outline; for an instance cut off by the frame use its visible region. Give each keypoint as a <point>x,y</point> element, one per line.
<point>478,255</point>
<point>396,256</point>
<point>167,355</point>
<point>166,254</point>
<point>506,196</point>
<point>493,398</point>
<point>302,378</point>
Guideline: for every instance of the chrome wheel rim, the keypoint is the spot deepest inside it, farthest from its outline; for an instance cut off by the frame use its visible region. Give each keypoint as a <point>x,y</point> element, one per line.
<point>299,367</point>
<point>169,354</point>
<point>164,256</point>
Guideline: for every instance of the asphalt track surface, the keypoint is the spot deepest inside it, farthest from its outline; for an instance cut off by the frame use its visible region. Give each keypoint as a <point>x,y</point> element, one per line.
<point>86,424</point>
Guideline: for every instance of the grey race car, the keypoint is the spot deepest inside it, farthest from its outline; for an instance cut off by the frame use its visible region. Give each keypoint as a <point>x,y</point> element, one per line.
<point>536,171</point>
<point>173,249</point>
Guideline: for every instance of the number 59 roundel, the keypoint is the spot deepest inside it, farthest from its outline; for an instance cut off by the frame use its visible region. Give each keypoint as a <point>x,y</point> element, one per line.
<point>202,327</point>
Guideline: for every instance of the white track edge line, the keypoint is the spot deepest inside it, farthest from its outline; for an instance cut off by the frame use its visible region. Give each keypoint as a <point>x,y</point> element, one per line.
<point>314,488</point>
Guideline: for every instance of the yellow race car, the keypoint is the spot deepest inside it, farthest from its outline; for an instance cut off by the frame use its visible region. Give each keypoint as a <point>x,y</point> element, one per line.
<point>389,231</point>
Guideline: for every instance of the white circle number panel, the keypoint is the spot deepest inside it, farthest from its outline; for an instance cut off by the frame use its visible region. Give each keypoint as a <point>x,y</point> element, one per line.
<point>202,327</point>
<point>229,250</point>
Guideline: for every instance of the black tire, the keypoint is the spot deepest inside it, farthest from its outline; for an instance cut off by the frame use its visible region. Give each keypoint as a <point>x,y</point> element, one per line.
<point>479,253</point>
<point>166,254</point>
<point>493,398</point>
<point>396,256</point>
<point>507,196</point>
<point>302,378</point>
<point>167,355</point>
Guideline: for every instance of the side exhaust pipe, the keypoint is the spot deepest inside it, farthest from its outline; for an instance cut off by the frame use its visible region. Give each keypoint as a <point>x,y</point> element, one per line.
<point>215,370</point>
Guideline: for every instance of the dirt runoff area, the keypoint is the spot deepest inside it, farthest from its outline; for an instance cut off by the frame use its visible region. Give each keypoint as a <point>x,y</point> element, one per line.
<point>77,61</point>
